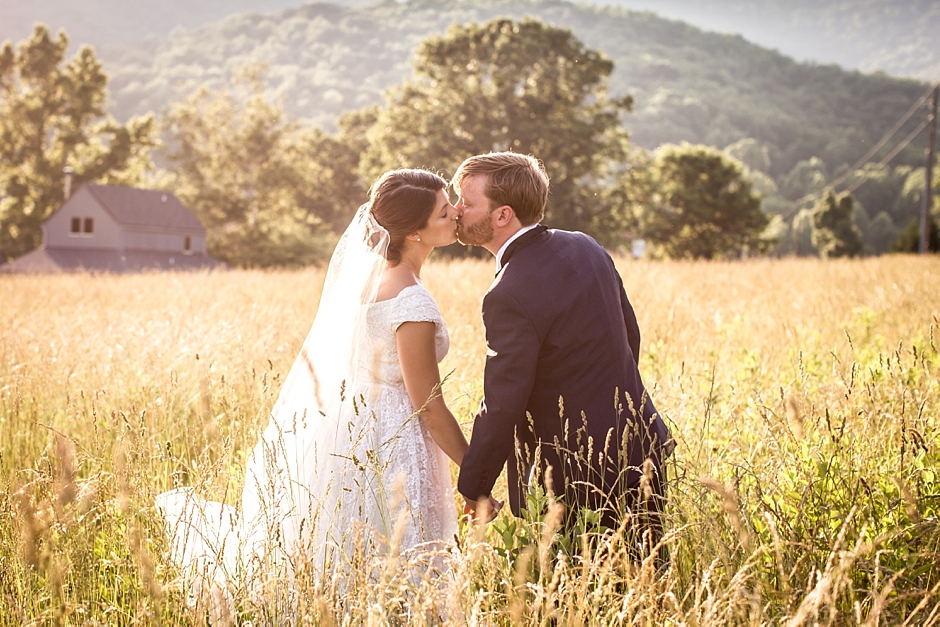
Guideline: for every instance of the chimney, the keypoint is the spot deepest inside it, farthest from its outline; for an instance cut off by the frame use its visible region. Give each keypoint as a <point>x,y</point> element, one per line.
<point>68,181</point>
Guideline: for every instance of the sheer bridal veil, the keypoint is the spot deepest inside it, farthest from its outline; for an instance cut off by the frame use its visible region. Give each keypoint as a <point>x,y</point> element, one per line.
<point>296,478</point>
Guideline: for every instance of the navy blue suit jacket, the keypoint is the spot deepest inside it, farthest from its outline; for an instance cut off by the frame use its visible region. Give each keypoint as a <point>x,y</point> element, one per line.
<point>561,377</point>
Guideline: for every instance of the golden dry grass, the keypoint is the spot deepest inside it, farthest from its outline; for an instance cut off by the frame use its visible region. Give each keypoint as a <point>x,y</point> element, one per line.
<point>803,394</point>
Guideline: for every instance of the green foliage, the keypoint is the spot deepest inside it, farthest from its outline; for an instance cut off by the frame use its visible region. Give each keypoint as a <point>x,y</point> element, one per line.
<point>806,177</point>
<point>860,217</point>
<point>910,199</point>
<point>908,240</point>
<point>883,191</point>
<point>847,147</point>
<point>338,157</point>
<point>756,161</point>
<point>53,116</point>
<point>688,85</point>
<point>834,231</point>
<point>896,38</point>
<point>505,85</point>
<point>266,191</point>
<point>884,199</point>
<point>803,245</point>
<point>762,184</point>
<point>750,153</point>
<point>325,60</point>
<point>881,234</point>
<point>702,207</point>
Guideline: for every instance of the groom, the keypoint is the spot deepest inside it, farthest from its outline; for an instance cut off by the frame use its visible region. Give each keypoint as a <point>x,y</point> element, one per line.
<point>561,385</point>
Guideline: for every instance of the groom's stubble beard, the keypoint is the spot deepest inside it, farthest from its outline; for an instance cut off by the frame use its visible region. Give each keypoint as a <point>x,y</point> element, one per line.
<point>477,233</point>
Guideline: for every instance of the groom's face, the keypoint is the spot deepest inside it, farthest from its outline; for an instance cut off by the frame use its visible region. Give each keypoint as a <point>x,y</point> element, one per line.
<point>475,216</point>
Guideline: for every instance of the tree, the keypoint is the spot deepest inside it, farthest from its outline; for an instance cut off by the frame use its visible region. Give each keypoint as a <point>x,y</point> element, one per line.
<point>267,191</point>
<point>803,234</point>
<point>329,167</point>
<point>834,231</point>
<point>881,234</point>
<point>860,217</point>
<point>52,116</point>
<point>908,240</point>
<point>339,156</point>
<point>806,177</point>
<point>505,85</point>
<point>881,189</point>
<point>750,152</point>
<point>703,207</point>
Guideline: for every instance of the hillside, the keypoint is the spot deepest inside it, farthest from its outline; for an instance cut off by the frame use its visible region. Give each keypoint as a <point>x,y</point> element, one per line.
<point>103,23</point>
<point>896,37</point>
<point>689,85</point>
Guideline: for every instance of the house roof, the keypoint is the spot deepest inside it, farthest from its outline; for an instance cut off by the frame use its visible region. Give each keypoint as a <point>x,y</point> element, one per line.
<point>45,260</point>
<point>144,208</point>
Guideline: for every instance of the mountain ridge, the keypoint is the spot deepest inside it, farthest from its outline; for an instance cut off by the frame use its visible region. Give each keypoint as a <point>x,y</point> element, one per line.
<point>869,35</point>
<point>895,37</point>
<point>688,84</point>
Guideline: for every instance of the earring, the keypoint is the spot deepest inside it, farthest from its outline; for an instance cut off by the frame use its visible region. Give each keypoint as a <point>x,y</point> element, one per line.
<point>419,238</point>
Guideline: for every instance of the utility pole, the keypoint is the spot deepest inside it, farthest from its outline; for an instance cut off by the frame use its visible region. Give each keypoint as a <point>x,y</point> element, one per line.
<point>928,175</point>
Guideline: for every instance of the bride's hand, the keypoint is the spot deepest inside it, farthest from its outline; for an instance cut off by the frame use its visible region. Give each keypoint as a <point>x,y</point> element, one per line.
<point>483,511</point>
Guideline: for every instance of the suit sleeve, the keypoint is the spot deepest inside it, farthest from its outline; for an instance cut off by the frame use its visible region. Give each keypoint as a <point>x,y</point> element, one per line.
<point>629,319</point>
<point>509,374</point>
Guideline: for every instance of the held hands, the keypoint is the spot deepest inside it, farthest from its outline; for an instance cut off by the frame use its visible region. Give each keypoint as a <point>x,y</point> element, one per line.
<point>482,511</point>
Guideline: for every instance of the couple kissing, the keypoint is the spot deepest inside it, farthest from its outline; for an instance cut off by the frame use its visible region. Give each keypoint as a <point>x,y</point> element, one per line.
<point>355,454</point>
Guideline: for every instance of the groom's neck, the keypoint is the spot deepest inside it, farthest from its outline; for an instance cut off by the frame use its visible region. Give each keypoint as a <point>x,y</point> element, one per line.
<point>502,236</point>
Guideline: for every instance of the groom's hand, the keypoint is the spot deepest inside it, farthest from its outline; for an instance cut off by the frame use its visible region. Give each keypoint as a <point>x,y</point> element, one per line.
<point>483,510</point>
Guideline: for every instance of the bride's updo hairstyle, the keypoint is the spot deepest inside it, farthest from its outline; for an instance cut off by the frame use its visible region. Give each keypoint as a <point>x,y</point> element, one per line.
<point>402,202</point>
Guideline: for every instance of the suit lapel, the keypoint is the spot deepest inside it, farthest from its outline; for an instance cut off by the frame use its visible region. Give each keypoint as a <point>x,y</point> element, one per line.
<point>527,238</point>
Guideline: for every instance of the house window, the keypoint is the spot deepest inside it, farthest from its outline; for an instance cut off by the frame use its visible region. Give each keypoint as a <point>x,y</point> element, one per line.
<point>89,225</point>
<point>187,244</point>
<point>76,225</point>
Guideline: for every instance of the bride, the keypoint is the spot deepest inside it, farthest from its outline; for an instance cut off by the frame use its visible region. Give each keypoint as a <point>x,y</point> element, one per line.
<point>353,462</point>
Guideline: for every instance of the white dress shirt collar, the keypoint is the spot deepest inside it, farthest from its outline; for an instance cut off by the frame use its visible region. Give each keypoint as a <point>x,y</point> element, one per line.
<point>515,236</point>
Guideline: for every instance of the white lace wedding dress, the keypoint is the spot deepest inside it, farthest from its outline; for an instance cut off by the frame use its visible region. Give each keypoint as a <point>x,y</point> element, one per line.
<point>328,491</point>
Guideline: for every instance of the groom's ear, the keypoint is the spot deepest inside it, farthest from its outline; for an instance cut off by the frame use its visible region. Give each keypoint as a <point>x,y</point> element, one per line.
<point>504,215</point>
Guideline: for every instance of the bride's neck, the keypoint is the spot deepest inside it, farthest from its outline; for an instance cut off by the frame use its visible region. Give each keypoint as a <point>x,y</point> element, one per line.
<point>413,260</point>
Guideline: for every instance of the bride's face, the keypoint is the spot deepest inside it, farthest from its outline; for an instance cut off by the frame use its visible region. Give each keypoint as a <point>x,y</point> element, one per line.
<point>441,228</point>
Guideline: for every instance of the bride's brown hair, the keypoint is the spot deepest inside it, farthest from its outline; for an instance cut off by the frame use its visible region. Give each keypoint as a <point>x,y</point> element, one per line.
<point>402,202</point>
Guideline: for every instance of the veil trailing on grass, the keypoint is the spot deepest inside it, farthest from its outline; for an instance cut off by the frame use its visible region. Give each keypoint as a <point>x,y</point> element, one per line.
<point>299,473</point>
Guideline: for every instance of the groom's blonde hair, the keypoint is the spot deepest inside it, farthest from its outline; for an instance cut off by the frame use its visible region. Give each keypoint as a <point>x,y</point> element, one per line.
<point>519,181</point>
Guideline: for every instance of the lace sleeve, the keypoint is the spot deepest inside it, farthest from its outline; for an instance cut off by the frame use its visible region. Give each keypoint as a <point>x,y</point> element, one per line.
<point>415,305</point>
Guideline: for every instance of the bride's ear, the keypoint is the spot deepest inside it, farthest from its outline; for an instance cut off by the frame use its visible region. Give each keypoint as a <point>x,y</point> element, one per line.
<point>414,237</point>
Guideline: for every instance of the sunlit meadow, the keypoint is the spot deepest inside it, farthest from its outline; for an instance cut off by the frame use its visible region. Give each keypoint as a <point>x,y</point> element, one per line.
<point>803,395</point>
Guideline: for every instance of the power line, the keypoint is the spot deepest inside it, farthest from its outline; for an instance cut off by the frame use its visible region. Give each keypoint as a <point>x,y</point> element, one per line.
<point>884,140</point>
<point>892,155</point>
<point>864,160</point>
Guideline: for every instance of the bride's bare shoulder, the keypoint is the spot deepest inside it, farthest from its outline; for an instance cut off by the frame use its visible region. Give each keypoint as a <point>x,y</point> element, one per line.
<point>393,282</point>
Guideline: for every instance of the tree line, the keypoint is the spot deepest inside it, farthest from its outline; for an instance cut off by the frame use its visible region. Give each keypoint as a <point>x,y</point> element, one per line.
<point>272,191</point>
<point>687,84</point>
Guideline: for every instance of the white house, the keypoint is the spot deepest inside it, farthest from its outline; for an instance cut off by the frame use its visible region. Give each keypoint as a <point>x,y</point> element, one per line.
<point>118,229</point>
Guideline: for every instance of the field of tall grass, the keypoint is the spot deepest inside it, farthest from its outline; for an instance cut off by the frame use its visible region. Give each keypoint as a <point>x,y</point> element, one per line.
<point>804,397</point>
